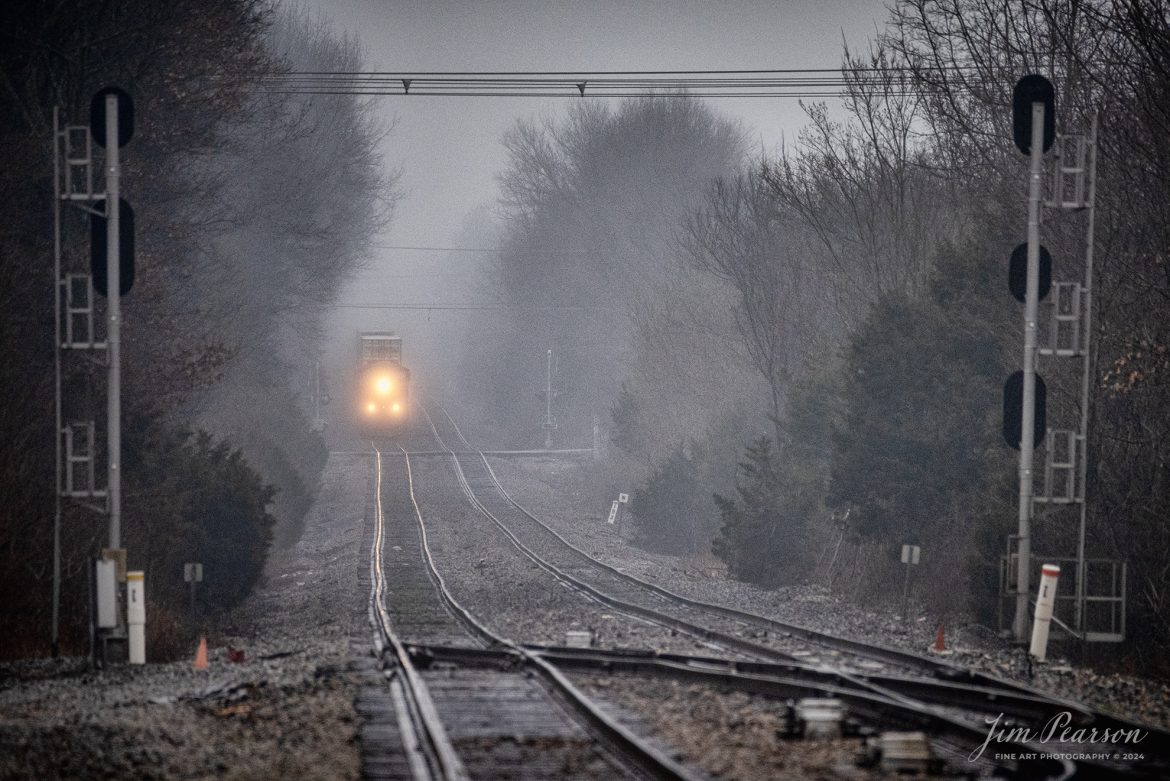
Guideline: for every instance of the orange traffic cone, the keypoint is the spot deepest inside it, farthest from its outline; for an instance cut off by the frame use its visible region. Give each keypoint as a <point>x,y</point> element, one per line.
<point>201,655</point>
<point>939,642</point>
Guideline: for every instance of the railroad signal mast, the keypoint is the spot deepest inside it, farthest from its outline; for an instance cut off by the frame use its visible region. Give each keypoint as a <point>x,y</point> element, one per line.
<point>1025,417</point>
<point>1033,129</point>
<point>549,423</point>
<point>112,276</point>
<point>319,397</point>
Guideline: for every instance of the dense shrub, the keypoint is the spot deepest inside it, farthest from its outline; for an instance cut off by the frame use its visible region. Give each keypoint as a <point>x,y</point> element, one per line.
<point>671,510</point>
<point>760,537</point>
<point>195,500</point>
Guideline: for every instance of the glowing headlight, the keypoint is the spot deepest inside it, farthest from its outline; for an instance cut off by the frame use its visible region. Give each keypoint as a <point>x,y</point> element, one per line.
<point>396,408</point>
<point>371,408</point>
<point>384,385</point>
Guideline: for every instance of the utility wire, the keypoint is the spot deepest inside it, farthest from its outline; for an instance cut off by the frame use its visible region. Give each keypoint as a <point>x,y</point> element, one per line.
<point>801,83</point>
<point>467,307</point>
<point>638,73</point>
<point>479,249</point>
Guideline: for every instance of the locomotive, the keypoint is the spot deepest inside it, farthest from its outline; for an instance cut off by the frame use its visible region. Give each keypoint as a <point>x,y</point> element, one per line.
<point>382,383</point>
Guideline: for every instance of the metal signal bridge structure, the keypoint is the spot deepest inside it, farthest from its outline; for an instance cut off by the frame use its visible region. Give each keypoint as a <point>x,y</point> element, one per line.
<point>1095,610</point>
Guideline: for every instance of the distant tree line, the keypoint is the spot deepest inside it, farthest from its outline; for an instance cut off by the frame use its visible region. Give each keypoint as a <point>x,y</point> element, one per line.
<point>251,210</point>
<point>819,336</point>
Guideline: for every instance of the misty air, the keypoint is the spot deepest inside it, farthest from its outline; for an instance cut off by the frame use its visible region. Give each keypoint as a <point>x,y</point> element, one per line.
<point>524,390</point>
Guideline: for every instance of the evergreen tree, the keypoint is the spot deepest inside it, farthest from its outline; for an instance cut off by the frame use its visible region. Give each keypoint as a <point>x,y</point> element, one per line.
<point>195,499</point>
<point>920,401</point>
<point>625,413</point>
<point>755,541</point>
<point>671,509</point>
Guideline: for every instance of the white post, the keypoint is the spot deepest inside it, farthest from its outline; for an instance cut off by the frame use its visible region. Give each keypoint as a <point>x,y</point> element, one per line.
<point>1027,438</point>
<point>1049,574</point>
<point>136,615</point>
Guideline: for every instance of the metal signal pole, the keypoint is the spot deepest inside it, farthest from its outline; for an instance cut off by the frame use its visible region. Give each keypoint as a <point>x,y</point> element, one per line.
<point>1027,432</point>
<point>548,402</point>
<point>55,635</point>
<point>1082,472</point>
<point>114,318</point>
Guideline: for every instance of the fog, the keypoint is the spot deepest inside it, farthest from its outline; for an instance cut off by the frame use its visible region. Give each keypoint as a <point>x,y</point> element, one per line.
<point>788,321</point>
<point>449,151</point>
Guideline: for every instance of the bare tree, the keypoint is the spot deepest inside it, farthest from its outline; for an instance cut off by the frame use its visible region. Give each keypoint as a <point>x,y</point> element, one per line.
<point>739,237</point>
<point>1113,57</point>
<point>590,201</point>
<point>864,190</point>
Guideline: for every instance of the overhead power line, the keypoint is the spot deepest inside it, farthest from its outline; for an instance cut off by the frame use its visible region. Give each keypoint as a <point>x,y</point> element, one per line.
<point>800,83</point>
<point>479,249</point>
<point>465,307</point>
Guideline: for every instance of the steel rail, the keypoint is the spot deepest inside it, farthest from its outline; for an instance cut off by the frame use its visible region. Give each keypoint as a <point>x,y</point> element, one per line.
<point>939,668</point>
<point>986,685</point>
<point>778,682</point>
<point>924,689</point>
<point>697,630</point>
<point>935,667</point>
<point>629,746</point>
<point>939,692</point>
<point>858,683</point>
<point>707,635</point>
<point>424,738</point>
<point>764,678</point>
<point>712,636</point>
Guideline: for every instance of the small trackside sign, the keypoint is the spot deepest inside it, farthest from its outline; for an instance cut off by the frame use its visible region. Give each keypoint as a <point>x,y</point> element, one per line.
<point>613,511</point>
<point>624,498</point>
<point>910,554</point>
<point>193,573</point>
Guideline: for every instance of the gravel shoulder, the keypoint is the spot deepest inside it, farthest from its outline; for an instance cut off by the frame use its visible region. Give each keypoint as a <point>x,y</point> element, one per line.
<point>556,490</point>
<point>286,710</point>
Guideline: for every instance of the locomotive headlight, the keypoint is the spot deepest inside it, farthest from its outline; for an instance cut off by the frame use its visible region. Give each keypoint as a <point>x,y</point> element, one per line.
<point>384,385</point>
<point>396,408</point>
<point>371,408</point>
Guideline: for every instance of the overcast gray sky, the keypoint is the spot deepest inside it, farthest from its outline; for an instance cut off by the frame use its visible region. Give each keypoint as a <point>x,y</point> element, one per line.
<point>448,149</point>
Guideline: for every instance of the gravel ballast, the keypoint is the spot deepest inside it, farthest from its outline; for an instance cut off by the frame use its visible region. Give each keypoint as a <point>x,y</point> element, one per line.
<point>726,734</point>
<point>556,490</point>
<point>285,711</point>
<point>289,708</point>
<point>505,589</point>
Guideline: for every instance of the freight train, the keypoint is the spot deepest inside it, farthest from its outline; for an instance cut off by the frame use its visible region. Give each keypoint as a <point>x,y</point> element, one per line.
<point>382,384</point>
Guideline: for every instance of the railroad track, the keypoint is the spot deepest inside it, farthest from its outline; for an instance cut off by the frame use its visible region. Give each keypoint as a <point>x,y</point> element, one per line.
<point>459,722</point>
<point>954,691</point>
<point>423,737</point>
